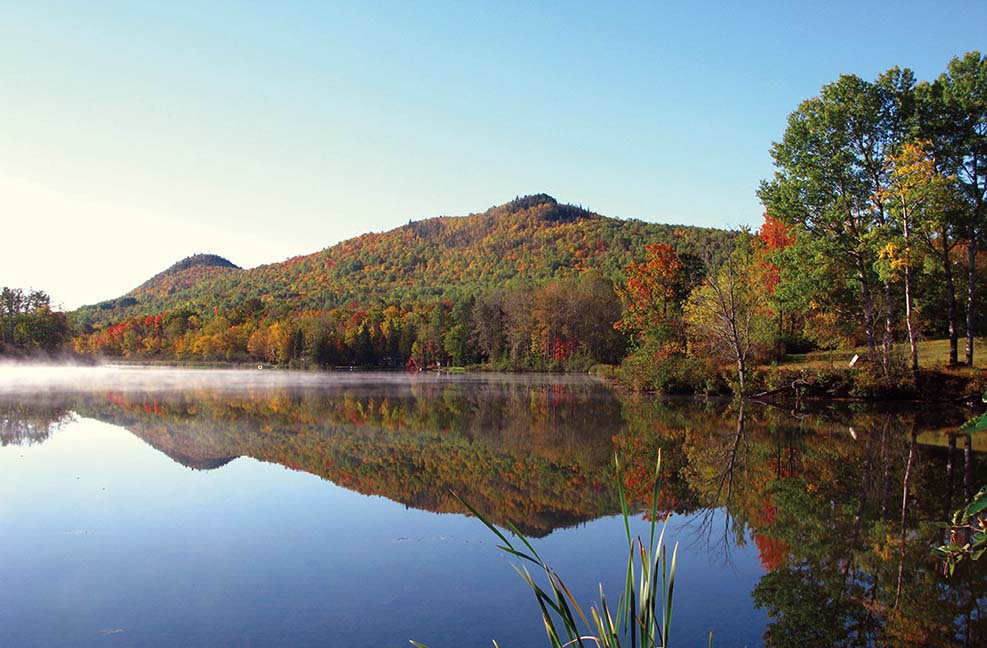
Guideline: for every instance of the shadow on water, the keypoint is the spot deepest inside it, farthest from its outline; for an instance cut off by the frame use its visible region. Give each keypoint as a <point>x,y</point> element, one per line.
<point>841,501</point>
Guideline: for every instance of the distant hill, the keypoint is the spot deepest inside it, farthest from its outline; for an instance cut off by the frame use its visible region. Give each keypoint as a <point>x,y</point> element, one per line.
<point>532,239</point>
<point>183,275</point>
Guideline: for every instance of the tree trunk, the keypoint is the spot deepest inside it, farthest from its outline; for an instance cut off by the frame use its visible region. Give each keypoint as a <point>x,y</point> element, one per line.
<point>740,376</point>
<point>971,260</point>
<point>888,345</point>
<point>912,337</point>
<point>947,268</point>
<point>868,311</point>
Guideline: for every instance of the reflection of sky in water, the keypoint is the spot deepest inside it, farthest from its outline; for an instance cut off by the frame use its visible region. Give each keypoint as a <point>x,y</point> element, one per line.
<point>108,542</point>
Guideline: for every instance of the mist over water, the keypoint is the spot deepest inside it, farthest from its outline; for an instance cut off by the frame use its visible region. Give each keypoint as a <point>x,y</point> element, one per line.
<point>40,378</point>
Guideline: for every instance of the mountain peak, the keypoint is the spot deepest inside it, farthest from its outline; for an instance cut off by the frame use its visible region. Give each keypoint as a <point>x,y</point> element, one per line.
<point>543,207</point>
<point>182,275</point>
<point>203,260</point>
<point>521,203</point>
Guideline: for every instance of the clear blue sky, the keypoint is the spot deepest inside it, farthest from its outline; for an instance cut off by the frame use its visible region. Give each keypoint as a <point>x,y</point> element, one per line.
<point>136,133</point>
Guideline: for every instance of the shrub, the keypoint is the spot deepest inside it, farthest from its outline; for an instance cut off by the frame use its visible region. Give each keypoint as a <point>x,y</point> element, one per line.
<point>662,369</point>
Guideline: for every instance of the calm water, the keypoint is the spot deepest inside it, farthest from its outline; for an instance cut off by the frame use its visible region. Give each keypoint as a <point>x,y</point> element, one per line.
<point>158,507</point>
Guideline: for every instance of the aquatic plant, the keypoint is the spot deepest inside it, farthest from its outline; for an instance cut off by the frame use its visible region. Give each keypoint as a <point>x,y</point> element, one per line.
<point>644,610</point>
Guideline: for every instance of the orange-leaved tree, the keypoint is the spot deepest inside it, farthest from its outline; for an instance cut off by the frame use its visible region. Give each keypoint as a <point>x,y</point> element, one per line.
<point>651,296</point>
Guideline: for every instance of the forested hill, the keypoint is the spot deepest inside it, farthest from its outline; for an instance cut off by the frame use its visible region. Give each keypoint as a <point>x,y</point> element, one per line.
<point>531,239</point>
<point>184,275</point>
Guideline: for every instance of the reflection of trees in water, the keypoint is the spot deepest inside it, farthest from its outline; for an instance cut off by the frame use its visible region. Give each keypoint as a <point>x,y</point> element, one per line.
<point>840,502</point>
<point>536,455</point>
<point>28,424</point>
<point>728,465</point>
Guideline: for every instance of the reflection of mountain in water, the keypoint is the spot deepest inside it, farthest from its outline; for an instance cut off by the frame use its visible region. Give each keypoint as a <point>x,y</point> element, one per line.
<point>535,455</point>
<point>198,463</point>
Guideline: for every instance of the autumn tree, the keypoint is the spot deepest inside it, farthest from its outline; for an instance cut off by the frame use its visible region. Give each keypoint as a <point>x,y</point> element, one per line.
<point>728,316</point>
<point>651,295</point>
<point>920,201</point>
<point>487,323</point>
<point>775,237</point>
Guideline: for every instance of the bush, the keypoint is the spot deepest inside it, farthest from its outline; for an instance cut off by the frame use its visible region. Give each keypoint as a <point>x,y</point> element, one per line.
<point>662,369</point>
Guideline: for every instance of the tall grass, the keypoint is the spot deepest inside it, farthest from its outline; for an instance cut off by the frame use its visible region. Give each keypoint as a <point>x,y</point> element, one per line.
<point>643,614</point>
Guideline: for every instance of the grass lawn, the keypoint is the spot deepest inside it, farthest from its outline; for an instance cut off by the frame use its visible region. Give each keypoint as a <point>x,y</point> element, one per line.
<point>932,354</point>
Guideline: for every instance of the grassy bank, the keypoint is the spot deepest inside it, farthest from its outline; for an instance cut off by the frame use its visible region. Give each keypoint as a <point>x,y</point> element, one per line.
<point>819,374</point>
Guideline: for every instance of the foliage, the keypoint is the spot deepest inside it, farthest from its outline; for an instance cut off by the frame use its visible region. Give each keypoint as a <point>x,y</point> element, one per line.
<point>564,324</point>
<point>527,285</point>
<point>967,533</point>
<point>652,294</point>
<point>29,325</point>
<point>953,116</point>
<point>830,174</point>
<point>882,184</point>
<point>663,368</point>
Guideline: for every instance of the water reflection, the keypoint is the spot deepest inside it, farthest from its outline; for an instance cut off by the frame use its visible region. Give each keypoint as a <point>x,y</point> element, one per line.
<point>840,502</point>
<point>842,505</point>
<point>531,454</point>
<point>30,422</point>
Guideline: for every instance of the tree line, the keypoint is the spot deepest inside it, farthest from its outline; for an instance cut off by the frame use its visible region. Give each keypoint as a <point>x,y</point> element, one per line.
<point>29,325</point>
<point>564,324</point>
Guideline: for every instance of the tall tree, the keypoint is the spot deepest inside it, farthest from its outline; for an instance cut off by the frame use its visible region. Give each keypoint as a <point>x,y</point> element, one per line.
<point>829,174</point>
<point>953,115</point>
<point>919,202</point>
<point>488,325</point>
<point>28,323</point>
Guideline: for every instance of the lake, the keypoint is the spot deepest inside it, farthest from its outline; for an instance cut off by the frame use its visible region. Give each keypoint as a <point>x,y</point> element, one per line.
<point>143,507</point>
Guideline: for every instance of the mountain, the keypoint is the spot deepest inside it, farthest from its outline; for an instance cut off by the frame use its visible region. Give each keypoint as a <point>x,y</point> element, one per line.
<point>525,285</point>
<point>183,276</point>
<point>531,239</point>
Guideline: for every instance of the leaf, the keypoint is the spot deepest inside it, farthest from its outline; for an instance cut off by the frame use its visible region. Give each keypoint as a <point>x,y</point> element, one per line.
<point>978,504</point>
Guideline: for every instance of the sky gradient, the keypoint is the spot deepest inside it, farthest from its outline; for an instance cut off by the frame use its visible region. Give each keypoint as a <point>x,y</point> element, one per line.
<point>135,134</point>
